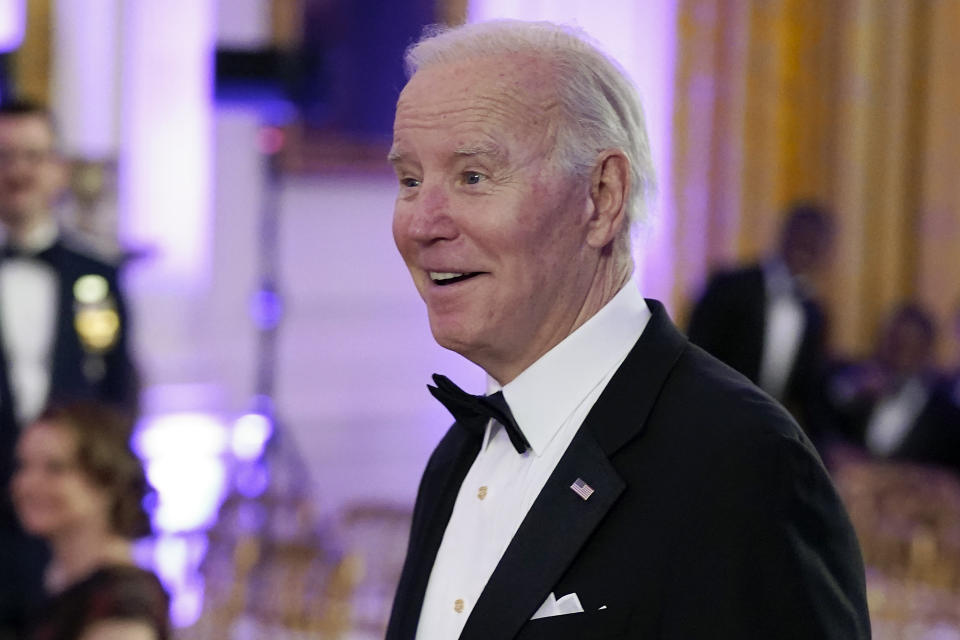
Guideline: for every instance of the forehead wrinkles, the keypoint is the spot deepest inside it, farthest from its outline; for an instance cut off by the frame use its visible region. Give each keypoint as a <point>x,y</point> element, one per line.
<point>515,100</point>
<point>509,106</point>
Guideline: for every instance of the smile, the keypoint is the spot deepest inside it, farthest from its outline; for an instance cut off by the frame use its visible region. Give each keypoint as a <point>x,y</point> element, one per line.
<point>443,278</point>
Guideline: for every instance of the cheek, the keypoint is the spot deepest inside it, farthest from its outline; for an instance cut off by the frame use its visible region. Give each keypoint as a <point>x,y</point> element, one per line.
<point>544,242</point>
<point>400,227</point>
<point>26,478</point>
<point>18,485</point>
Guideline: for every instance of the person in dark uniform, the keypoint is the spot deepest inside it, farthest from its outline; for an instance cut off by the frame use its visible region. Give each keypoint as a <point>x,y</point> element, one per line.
<point>763,320</point>
<point>63,326</point>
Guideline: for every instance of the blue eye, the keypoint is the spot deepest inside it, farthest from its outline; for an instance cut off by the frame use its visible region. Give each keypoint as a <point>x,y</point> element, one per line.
<point>409,182</point>
<point>472,177</point>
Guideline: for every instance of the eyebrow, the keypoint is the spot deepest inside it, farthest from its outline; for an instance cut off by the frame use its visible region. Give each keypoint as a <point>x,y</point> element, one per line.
<point>480,149</point>
<point>396,155</point>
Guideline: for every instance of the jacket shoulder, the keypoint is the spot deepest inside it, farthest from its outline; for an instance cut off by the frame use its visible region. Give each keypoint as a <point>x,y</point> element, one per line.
<point>82,256</point>
<point>737,276</point>
<point>716,408</point>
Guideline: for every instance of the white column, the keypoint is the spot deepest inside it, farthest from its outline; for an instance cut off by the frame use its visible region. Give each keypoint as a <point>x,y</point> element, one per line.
<point>85,76</point>
<point>165,158</point>
<point>12,24</point>
<point>244,23</point>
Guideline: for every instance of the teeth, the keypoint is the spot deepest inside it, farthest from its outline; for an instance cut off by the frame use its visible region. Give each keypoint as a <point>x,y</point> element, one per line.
<point>439,276</point>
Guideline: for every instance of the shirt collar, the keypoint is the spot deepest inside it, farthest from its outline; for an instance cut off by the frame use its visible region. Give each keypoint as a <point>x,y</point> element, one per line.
<point>547,392</point>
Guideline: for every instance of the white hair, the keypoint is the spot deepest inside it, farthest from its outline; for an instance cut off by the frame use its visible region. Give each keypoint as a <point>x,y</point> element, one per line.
<point>600,106</point>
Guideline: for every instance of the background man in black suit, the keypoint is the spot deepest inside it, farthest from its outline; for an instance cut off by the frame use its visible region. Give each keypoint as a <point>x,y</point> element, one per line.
<point>616,481</point>
<point>62,326</point>
<point>896,404</point>
<point>762,319</point>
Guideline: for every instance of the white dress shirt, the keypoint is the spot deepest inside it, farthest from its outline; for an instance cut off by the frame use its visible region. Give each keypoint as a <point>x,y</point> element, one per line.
<point>28,312</point>
<point>784,327</point>
<point>894,416</point>
<point>549,401</point>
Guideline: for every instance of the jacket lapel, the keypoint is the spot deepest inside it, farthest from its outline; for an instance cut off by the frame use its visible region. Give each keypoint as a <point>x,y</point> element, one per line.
<point>8,430</point>
<point>560,521</point>
<point>65,373</point>
<point>438,494</point>
<point>551,535</point>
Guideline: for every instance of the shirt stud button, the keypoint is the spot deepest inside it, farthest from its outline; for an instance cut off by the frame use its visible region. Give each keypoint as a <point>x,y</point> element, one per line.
<point>458,605</point>
<point>482,492</point>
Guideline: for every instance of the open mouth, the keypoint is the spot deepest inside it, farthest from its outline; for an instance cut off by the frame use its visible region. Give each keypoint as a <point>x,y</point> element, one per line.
<point>443,279</point>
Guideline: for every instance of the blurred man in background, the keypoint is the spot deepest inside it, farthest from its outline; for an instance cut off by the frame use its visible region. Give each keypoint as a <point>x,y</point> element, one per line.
<point>896,404</point>
<point>763,320</point>
<point>62,326</point>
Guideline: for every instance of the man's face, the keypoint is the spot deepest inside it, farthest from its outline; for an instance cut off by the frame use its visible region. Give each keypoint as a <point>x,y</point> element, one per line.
<point>907,346</point>
<point>807,248</point>
<point>492,231</point>
<point>31,174</point>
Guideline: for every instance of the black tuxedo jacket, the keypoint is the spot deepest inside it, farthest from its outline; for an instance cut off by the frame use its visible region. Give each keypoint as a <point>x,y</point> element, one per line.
<point>712,517</point>
<point>729,321</point>
<point>75,374</point>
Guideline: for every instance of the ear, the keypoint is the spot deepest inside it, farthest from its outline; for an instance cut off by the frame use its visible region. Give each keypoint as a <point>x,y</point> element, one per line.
<point>609,190</point>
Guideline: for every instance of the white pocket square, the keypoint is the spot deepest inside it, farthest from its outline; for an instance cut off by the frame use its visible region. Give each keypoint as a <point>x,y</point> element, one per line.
<point>569,603</point>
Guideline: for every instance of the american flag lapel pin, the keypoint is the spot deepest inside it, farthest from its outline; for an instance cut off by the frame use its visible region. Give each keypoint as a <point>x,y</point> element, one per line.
<point>582,489</point>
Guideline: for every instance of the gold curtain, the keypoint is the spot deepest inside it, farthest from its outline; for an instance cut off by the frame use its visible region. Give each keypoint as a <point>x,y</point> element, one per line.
<point>31,62</point>
<point>853,102</point>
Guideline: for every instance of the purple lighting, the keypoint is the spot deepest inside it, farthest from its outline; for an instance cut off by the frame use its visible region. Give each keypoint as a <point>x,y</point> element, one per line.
<point>12,23</point>
<point>165,163</point>
<point>190,492</point>
<point>176,559</point>
<point>186,458</point>
<point>250,434</point>
<point>266,308</point>
<point>183,454</point>
<point>251,479</point>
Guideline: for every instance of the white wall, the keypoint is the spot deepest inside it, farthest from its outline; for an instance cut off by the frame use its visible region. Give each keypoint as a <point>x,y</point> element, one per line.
<point>355,351</point>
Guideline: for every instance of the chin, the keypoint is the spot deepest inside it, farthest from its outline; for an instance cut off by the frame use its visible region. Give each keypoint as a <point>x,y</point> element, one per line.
<point>448,341</point>
<point>456,341</point>
<point>37,525</point>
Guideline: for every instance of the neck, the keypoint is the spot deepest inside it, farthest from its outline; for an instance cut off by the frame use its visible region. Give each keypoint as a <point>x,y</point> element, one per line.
<point>612,277</point>
<point>77,554</point>
<point>610,274</point>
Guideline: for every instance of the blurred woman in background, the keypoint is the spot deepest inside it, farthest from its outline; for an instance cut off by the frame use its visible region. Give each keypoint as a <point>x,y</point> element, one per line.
<point>80,487</point>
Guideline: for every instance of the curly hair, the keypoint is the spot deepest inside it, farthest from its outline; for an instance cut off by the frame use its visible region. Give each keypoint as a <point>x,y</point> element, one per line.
<point>104,455</point>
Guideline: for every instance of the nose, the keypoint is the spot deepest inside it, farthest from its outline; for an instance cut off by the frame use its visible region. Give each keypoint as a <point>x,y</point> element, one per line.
<point>428,217</point>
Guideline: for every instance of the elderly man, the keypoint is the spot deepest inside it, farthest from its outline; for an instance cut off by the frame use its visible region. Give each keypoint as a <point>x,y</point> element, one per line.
<point>616,481</point>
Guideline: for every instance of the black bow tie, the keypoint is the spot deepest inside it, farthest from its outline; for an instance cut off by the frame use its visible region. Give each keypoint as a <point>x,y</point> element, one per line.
<point>465,406</point>
<point>9,251</point>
